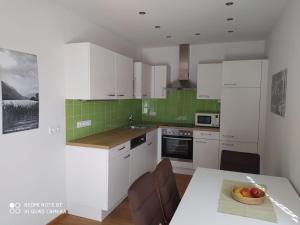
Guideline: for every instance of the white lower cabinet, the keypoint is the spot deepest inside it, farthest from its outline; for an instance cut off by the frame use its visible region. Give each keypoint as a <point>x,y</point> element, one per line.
<point>151,153</point>
<point>138,162</point>
<point>97,180</point>
<point>206,150</point>
<point>250,147</point>
<point>118,178</point>
<point>144,157</point>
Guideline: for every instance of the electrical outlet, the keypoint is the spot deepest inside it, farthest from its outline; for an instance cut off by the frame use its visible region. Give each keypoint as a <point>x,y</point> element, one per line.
<point>86,123</point>
<point>152,113</point>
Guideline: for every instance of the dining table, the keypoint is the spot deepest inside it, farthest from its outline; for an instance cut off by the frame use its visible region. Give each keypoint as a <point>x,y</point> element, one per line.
<point>200,202</point>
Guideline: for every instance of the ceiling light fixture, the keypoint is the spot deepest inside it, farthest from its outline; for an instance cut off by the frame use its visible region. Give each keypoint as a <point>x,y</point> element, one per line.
<point>229,3</point>
<point>230,31</point>
<point>197,34</point>
<point>168,36</point>
<point>142,13</point>
<point>230,19</point>
<point>157,27</point>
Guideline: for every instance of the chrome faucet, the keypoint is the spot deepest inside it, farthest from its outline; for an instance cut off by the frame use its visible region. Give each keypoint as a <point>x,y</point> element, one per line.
<point>130,120</point>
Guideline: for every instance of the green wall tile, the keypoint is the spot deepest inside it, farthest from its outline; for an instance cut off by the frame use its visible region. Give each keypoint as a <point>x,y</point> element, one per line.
<point>179,107</point>
<point>105,115</point>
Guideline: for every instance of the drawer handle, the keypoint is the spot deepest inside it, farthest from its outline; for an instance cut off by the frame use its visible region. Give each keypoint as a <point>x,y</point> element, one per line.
<point>233,84</point>
<point>145,95</point>
<point>122,148</point>
<point>203,134</point>
<point>126,157</point>
<point>149,143</point>
<point>202,142</point>
<point>229,136</point>
<point>227,144</point>
<point>121,95</point>
<point>111,95</point>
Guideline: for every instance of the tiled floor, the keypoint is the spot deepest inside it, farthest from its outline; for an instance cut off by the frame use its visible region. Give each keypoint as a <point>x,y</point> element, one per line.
<point>121,215</point>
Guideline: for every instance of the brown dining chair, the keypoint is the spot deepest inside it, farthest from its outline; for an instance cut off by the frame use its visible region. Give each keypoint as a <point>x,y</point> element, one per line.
<point>240,162</point>
<point>144,202</point>
<point>167,189</point>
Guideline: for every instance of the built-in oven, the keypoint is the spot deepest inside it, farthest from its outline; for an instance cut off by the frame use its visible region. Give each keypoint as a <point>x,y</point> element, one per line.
<point>177,144</point>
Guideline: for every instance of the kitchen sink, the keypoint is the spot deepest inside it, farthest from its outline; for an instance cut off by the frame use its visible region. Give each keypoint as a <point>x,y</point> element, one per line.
<point>140,126</point>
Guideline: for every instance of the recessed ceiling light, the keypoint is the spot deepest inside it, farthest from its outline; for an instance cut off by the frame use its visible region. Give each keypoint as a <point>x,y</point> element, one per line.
<point>197,34</point>
<point>168,36</point>
<point>142,13</point>
<point>230,19</point>
<point>230,31</point>
<point>229,3</point>
<point>157,27</point>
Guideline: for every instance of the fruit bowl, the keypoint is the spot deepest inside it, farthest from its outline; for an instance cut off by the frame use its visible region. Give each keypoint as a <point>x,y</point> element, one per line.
<point>248,195</point>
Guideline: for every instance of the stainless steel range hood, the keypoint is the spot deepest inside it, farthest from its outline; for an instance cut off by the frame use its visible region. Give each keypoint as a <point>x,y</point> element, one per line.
<point>183,81</point>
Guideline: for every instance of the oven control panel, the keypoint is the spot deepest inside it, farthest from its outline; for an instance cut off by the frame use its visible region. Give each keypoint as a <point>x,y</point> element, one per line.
<point>177,132</point>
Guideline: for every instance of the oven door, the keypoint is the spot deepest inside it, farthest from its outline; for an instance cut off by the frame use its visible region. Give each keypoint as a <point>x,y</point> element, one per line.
<point>177,147</point>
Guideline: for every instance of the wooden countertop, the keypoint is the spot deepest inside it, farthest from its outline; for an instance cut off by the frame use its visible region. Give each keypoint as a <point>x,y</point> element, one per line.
<point>115,137</point>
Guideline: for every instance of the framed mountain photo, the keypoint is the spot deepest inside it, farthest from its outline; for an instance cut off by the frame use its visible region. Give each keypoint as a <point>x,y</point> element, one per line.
<point>278,99</point>
<point>20,91</point>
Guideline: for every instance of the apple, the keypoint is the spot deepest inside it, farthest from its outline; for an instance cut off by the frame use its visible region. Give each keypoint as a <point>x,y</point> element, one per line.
<point>256,192</point>
<point>246,192</point>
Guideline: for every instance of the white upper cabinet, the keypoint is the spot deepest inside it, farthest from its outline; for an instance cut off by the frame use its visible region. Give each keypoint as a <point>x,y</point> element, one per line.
<point>246,73</point>
<point>209,81</point>
<point>142,80</point>
<point>102,75</point>
<point>240,110</point>
<point>159,82</point>
<point>124,76</point>
<point>93,72</point>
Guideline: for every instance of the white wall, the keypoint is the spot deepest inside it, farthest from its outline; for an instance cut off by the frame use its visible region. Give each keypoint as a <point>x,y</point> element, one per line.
<point>203,53</point>
<point>283,135</point>
<point>32,162</point>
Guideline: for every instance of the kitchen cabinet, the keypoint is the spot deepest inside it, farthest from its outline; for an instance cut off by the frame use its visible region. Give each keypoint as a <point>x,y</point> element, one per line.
<point>245,73</point>
<point>142,80</point>
<point>240,111</point>
<point>118,178</point>
<point>236,146</point>
<point>151,153</point>
<point>159,82</point>
<point>93,72</point>
<point>209,81</point>
<point>138,162</point>
<point>124,77</point>
<point>97,180</point>
<point>206,150</point>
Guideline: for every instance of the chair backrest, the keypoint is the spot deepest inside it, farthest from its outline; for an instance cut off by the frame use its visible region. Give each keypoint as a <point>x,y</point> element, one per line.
<point>144,202</point>
<point>240,162</point>
<point>166,186</point>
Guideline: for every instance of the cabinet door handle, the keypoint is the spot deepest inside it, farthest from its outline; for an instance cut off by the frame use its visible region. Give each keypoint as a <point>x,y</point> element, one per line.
<point>145,95</point>
<point>120,149</point>
<point>201,142</point>
<point>149,143</point>
<point>126,157</point>
<point>111,95</point>
<point>163,91</point>
<point>203,96</point>
<point>121,95</point>
<point>224,144</point>
<point>232,84</point>
<point>229,136</point>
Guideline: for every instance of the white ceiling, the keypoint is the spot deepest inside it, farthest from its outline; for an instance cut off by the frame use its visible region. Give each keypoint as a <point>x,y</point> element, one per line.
<point>253,19</point>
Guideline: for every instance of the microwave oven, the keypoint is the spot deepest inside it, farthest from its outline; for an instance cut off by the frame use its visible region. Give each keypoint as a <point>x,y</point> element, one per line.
<point>207,119</point>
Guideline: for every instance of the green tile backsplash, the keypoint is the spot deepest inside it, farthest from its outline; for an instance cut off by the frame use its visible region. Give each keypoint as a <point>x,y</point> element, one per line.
<point>179,107</point>
<point>105,115</point>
